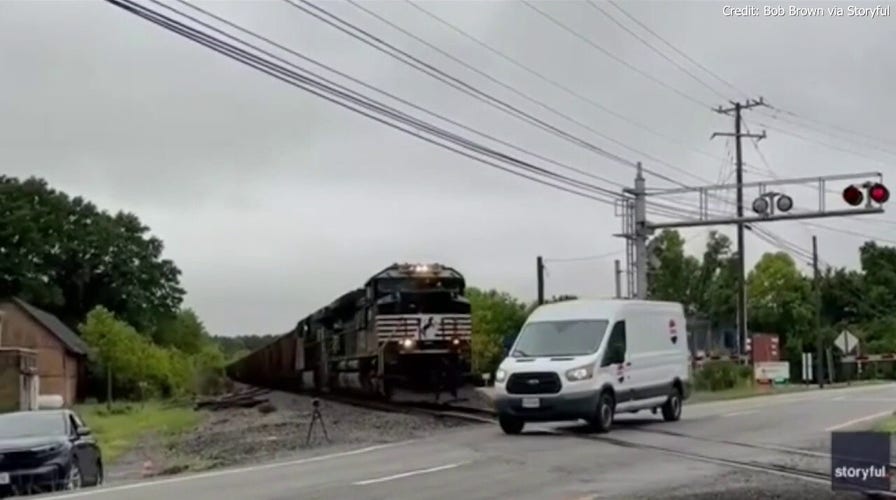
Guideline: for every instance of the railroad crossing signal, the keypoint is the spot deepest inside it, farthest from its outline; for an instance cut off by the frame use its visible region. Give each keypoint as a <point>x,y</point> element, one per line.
<point>877,193</point>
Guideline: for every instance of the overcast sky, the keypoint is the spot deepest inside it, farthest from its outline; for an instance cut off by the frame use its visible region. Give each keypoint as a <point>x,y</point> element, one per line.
<point>273,201</point>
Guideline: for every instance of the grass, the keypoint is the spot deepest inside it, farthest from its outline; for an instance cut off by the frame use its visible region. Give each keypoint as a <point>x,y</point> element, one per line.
<point>887,425</point>
<point>750,390</point>
<point>119,431</point>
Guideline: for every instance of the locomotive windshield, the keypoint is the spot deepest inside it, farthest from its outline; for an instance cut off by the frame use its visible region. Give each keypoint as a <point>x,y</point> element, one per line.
<point>391,285</point>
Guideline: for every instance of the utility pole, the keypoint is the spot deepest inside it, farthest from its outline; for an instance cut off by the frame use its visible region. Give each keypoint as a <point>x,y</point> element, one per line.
<point>539,263</point>
<point>769,206</point>
<point>816,288</point>
<point>617,272</point>
<point>741,266</point>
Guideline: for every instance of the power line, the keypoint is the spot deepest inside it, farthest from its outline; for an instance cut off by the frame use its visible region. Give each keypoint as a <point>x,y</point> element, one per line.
<point>681,53</point>
<point>424,67</point>
<point>586,258</point>
<point>829,125</point>
<point>616,58</point>
<point>315,87</point>
<point>822,143</point>
<point>815,128</point>
<point>553,82</point>
<point>418,124</point>
<point>385,93</point>
<point>528,97</point>
<point>732,86</point>
<point>654,49</point>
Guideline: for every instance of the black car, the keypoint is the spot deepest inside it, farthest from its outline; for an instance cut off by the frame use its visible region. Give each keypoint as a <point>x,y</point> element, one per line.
<point>47,450</point>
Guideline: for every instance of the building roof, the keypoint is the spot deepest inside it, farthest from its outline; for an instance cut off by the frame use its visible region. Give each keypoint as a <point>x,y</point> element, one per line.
<point>70,339</point>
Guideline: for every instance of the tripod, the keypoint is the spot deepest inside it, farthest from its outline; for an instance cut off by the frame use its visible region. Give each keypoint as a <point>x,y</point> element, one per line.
<point>316,416</point>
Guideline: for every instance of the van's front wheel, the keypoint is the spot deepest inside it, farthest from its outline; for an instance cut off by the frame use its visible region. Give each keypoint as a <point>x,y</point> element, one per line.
<point>511,425</point>
<point>603,417</point>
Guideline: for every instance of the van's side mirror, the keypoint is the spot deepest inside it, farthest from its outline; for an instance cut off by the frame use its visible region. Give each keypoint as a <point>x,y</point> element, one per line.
<point>614,355</point>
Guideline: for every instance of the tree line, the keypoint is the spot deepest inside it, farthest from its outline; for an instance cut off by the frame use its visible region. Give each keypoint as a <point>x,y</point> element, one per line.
<point>104,275</point>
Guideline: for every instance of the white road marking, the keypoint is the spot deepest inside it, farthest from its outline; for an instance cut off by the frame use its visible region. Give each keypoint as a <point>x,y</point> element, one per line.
<point>736,413</point>
<point>227,472</point>
<point>859,420</point>
<point>839,398</point>
<point>409,474</point>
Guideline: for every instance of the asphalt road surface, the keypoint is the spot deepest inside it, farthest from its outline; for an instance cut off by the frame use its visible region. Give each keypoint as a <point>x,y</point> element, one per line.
<point>769,447</point>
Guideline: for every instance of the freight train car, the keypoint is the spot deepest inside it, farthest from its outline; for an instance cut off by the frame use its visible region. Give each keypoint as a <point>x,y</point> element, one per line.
<point>408,329</point>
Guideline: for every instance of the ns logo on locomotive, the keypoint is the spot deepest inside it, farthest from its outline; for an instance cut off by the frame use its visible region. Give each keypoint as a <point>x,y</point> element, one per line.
<point>406,330</point>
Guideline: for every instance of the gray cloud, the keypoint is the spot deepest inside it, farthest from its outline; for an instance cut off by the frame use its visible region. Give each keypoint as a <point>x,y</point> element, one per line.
<point>273,201</point>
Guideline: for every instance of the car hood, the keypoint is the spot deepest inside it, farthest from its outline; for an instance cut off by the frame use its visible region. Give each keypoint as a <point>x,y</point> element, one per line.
<point>27,443</point>
<point>555,363</point>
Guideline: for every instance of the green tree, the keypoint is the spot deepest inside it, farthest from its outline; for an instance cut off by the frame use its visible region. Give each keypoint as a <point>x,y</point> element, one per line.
<point>495,316</point>
<point>780,299</point>
<point>183,331</point>
<point>879,271</point>
<point>842,297</point>
<point>715,293</point>
<point>67,256</point>
<point>671,272</point>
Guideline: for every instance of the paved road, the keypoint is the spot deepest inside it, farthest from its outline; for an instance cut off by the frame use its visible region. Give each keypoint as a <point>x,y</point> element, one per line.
<point>563,462</point>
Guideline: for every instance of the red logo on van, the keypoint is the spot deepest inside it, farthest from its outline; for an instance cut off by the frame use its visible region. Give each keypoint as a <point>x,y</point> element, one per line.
<point>673,332</point>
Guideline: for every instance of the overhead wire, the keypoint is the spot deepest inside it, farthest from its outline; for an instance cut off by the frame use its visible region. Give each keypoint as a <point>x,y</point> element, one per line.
<point>478,71</point>
<point>393,96</point>
<point>403,56</point>
<point>317,88</point>
<point>674,48</point>
<point>585,258</point>
<point>613,56</point>
<point>508,87</point>
<point>503,55</point>
<point>732,86</point>
<point>660,210</point>
<point>655,50</point>
<point>777,110</point>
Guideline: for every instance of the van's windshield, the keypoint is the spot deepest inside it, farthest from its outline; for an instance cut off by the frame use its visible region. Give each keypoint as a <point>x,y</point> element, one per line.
<point>560,338</point>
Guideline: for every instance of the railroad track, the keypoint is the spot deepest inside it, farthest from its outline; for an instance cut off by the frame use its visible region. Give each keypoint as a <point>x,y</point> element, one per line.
<point>439,410</point>
<point>800,473</point>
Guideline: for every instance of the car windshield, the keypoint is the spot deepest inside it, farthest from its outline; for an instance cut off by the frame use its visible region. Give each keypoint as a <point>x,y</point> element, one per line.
<point>559,338</point>
<point>31,424</point>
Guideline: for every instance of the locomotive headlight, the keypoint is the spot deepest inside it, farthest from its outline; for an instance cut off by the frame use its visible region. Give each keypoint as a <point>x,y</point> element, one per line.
<point>500,375</point>
<point>407,343</point>
<point>581,373</point>
<point>455,341</point>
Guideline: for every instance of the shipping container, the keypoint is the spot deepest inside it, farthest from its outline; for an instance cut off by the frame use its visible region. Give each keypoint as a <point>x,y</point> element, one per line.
<point>765,348</point>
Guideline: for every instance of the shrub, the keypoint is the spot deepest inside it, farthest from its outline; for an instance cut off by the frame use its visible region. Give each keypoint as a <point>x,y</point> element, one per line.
<point>721,375</point>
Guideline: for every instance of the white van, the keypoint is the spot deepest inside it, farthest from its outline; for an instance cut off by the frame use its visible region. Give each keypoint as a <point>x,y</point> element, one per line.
<point>591,359</point>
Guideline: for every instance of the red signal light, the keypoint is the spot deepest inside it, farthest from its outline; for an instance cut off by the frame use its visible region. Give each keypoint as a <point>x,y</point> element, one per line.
<point>853,195</point>
<point>879,193</point>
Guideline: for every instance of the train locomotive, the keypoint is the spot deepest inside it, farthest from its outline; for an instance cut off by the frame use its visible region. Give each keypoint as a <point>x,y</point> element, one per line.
<point>406,331</point>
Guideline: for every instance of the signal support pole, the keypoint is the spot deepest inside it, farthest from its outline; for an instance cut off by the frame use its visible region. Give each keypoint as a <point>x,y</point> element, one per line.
<point>741,266</point>
<point>636,228</point>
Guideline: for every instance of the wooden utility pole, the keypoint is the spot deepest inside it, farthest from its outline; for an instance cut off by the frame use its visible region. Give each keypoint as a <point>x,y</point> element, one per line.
<point>539,264</point>
<point>741,266</point>
<point>617,272</point>
<point>816,288</point>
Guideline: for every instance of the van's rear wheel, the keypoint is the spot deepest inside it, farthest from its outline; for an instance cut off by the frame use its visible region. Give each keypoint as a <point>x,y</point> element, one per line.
<point>672,407</point>
<point>511,425</point>
<point>603,417</point>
